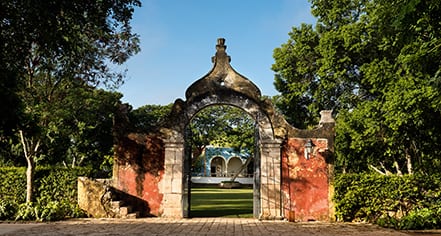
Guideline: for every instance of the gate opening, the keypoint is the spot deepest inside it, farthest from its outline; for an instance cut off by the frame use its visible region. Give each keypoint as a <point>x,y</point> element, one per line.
<point>221,146</point>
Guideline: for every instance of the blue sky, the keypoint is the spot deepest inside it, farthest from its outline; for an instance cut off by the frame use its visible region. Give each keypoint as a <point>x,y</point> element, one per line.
<point>178,39</point>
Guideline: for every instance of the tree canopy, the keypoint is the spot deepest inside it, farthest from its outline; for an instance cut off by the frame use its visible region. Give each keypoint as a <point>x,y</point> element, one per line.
<point>147,117</point>
<point>223,126</point>
<point>73,40</point>
<point>54,53</point>
<point>376,63</point>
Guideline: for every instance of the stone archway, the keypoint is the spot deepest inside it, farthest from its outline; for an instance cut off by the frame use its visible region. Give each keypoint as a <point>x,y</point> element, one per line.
<point>154,167</point>
<point>223,86</point>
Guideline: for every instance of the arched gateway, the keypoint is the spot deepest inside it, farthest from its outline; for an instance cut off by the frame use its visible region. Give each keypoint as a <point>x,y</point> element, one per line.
<point>293,168</point>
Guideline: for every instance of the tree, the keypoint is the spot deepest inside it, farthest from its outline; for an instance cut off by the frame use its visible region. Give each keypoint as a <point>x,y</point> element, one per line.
<point>81,133</point>
<point>54,46</point>
<point>296,77</point>
<point>148,117</point>
<point>222,126</point>
<point>376,64</point>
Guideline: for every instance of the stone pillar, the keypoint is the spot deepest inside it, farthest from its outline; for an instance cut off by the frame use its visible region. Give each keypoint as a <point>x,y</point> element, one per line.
<point>172,183</point>
<point>270,195</point>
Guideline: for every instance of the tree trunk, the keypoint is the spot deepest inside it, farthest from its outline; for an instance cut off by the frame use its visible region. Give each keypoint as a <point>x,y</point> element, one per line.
<point>29,179</point>
<point>397,168</point>
<point>409,163</point>
<point>377,170</point>
<point>30,149</point>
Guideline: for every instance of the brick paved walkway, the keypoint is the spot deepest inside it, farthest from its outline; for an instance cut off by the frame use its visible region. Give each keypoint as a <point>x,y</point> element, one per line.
<point>196,226</point>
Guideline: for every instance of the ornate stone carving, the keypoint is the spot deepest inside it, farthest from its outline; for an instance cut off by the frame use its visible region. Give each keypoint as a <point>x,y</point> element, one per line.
<point>222,79</point>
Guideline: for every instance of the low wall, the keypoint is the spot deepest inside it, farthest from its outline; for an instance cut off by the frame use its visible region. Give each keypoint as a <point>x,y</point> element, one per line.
<point>138,170</point>
<point>217,180</point>
<point>306,185</point>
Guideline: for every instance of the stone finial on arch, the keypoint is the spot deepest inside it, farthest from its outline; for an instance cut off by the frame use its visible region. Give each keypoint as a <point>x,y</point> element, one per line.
<point>222,79</point>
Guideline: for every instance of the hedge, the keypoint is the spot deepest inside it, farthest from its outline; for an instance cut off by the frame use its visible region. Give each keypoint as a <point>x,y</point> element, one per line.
<point>13,184</point>
<point>401,202</point>
<point>55,193</point>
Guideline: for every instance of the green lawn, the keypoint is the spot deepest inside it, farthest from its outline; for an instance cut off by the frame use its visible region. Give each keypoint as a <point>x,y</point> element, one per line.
<point>217,202</point>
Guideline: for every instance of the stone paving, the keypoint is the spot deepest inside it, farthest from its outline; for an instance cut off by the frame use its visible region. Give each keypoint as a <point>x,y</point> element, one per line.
<point>197,226</point>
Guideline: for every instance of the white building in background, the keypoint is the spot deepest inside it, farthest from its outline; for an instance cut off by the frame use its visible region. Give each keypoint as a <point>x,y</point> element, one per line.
<point>221,163</point>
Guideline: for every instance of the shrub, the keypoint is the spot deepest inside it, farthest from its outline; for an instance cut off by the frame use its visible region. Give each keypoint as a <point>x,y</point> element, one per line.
<point>55,193</point>
<point>27,211</point>
<point>402,202</point>
<point>7,209</point>
<point>54,210</point>
<point>423,218</point>
<point>56,184</point>
<point>13,184</point>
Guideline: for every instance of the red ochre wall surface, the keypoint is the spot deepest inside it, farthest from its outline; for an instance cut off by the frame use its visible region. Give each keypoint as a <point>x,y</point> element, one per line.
<point>305,183</point>
<point>139,169</point>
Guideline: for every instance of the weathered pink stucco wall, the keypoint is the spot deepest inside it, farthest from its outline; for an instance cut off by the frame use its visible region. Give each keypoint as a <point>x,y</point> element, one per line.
<point>305,183</point>
<point>139,169</point>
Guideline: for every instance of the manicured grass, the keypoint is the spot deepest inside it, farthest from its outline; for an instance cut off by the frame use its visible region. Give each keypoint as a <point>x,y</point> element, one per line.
<point>217,202</point>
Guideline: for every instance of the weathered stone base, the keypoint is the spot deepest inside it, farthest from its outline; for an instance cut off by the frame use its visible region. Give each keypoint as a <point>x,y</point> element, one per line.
<point>90,193</point>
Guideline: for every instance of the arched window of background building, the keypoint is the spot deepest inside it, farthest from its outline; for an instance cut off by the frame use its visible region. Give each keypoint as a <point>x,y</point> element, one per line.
<point>217,167</point>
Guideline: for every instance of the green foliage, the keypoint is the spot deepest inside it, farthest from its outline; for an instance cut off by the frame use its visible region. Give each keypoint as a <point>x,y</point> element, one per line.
<point>222,126</point>
<point>197,163</point>
<point>27,211</point>
<point>295,79</point>
<point>7,209</point>
<point>376,64</point>
<point>56,194</point>
<point>78,130</point>
<point>13,184</point>
<point>58,183</point>
<point>417,219</point>
<point>424,218</point>
<point>149,117</point>
<point>10,151</point>
<point>79,127</point>
<point>68,38</point>
<point>58,52</point>
<point>53,210</point>
<point>49,211</point>
<point>86,127</point>
<point>406,202</point>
